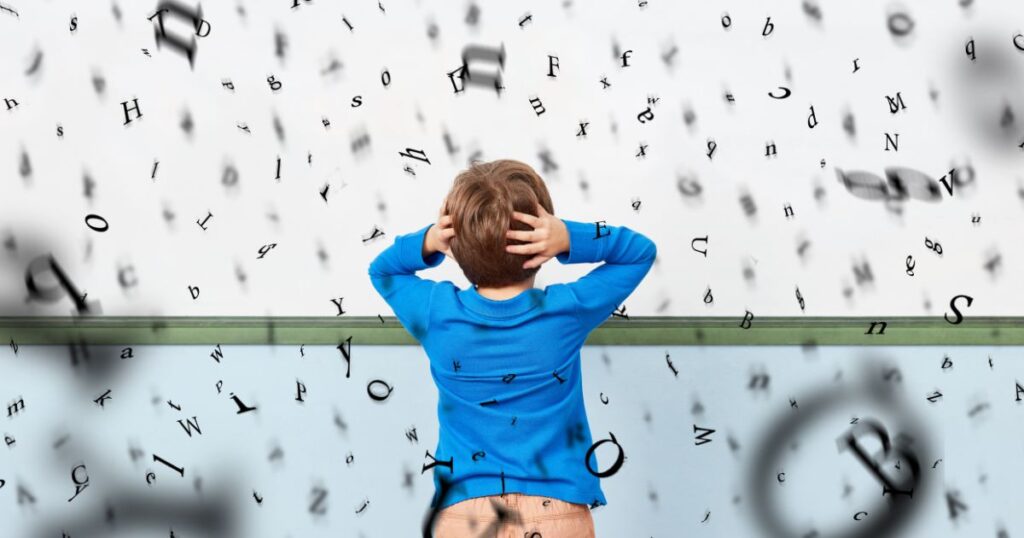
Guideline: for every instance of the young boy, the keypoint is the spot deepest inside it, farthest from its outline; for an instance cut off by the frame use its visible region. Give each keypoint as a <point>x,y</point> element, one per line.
<point>505,356</point>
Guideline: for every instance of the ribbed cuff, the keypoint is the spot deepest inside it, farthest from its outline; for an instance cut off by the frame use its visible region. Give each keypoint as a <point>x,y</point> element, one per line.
<point>411,250</point>
<point>583,242</point>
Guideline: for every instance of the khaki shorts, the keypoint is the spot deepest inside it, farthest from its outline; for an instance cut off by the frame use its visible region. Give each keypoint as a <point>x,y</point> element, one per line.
<point>527,516</point>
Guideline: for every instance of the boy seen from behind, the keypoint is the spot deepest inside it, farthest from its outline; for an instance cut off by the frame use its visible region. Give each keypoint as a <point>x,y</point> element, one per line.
<point>504,355</point>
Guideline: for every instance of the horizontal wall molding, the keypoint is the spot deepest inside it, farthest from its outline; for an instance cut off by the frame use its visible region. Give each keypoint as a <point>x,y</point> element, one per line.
<point>655,330</point>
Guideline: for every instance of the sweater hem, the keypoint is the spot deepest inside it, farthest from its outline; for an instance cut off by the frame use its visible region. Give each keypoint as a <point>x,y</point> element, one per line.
<point>472,488</point>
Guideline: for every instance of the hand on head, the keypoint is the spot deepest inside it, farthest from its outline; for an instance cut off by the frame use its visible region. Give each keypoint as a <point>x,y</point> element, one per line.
<point>442,233</point>
<point>548,238</point>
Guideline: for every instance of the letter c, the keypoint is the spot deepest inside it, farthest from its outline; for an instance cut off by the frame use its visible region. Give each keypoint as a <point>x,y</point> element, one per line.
<point>1018,41</point>
<point>781,477</point>
<point>150,477</point>
<point>855,518</point>
<point>74,477</point>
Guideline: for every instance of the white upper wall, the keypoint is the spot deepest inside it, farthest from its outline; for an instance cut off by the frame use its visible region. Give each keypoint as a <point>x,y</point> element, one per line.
<point>598,178</point>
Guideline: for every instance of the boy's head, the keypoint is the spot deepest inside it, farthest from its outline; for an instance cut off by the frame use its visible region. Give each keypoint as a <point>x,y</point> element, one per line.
<point>481,203</point>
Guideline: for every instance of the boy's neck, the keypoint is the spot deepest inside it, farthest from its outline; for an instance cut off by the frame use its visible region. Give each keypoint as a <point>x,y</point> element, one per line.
<point>506,292</point>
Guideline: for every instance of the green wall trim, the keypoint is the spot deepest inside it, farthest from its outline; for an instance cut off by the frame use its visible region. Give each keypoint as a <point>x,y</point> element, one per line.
<point>654,330</point>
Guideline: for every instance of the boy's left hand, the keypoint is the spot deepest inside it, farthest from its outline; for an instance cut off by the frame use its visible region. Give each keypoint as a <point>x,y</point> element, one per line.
<point>438,237</point>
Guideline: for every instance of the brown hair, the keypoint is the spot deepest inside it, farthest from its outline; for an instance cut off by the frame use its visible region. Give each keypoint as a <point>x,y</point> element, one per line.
<point>481,202</point>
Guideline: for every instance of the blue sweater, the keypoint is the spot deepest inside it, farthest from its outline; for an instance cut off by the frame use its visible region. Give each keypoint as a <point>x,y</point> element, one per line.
<point>510,404</point>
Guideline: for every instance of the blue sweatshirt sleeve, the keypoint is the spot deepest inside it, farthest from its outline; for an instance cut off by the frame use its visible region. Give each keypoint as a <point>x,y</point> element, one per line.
<point>393,274</point>
<point>627,255</point>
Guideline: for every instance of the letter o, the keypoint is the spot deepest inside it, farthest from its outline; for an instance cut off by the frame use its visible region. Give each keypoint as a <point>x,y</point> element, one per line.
<point>91,217</point>
<point>374,395</point>
<point>230,176</point>
<point>726,21</point>
<point>864,185</point>
<point>907,182</point>
<point>688,187</point>
<point>900,24</point>
<point>615,466</point>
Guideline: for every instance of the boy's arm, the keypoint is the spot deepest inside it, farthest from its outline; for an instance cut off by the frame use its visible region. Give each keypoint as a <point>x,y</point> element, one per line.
<point>393,273</point>
<point>627,257</point>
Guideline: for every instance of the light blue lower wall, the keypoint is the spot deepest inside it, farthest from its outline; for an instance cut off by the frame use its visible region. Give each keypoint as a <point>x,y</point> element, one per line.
<point>666,487</point>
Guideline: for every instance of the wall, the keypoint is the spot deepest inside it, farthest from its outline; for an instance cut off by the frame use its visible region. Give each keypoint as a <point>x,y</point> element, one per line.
<point>266,171</point>
<point>69,153</point>
<point>965,441</point>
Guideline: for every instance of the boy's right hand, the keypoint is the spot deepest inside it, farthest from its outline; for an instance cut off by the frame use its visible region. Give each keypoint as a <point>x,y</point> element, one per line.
<point>548,238</point>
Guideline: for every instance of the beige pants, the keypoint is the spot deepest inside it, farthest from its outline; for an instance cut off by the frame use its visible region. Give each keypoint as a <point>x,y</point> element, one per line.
<point>527,516</point>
